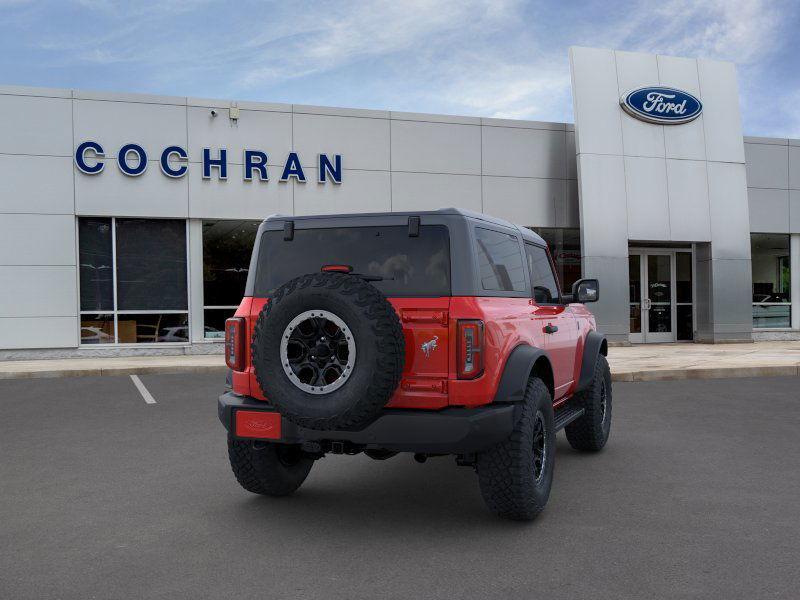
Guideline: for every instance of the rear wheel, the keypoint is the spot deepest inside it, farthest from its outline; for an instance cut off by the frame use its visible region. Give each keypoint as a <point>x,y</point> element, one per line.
<point>266,468</point>
<point>516,475</point>
<point>590,432</point>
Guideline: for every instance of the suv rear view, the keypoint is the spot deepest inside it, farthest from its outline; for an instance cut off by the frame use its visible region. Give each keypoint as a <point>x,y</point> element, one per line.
<point>432,333</point>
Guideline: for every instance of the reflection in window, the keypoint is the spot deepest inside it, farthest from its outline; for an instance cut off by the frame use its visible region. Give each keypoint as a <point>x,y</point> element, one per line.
<point>227,246</point>
<point>499,261</point>
<point>771,280</point>
<point>565,248</point>
<point>133,281</point>
<point>543,281</point>
<point>404,265</point>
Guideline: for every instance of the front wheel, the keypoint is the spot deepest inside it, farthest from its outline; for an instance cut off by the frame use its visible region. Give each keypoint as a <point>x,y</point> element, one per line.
<point>267,468</point>
<point>590,432</point>
<point>516,475</point>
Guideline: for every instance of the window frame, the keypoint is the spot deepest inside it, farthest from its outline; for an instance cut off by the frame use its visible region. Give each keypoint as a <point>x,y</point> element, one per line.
<point>553,271</point>
<point>116,312</point>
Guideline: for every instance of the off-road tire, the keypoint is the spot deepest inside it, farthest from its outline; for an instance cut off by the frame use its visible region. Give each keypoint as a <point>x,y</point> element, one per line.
<point>590,432</point>
<point>506,471</point>
<point>377,334</point>
<point>268,469</point>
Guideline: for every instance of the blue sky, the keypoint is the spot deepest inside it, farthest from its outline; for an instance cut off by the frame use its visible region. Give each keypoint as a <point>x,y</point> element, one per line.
<point>501,58</point>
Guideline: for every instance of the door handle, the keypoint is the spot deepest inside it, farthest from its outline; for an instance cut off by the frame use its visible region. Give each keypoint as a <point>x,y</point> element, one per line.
<point>550,328</point>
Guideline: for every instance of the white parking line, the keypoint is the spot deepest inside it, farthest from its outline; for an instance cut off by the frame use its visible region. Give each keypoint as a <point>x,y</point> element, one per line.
<point>148,397</point>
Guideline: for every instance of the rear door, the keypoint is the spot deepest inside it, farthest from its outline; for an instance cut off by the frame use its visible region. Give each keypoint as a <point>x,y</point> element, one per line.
<point>554,317</point>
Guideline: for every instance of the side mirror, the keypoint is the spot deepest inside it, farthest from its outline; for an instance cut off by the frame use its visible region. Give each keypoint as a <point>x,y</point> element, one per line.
<point>585,290</point>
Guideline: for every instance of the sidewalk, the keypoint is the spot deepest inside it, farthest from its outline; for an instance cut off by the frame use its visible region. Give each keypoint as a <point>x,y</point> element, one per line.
<point>654,362</point>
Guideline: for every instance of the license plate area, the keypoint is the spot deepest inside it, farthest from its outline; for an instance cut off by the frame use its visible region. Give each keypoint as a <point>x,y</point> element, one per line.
<point>257,424</point>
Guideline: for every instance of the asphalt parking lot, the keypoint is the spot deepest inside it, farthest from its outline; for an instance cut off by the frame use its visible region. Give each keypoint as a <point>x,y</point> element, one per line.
<point>107,496</point>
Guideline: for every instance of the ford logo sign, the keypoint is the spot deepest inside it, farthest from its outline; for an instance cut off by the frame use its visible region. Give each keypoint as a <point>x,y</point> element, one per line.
<point>662,105</point>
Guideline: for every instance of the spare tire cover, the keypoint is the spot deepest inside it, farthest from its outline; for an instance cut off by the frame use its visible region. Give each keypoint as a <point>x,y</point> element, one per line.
<point>328,351</point>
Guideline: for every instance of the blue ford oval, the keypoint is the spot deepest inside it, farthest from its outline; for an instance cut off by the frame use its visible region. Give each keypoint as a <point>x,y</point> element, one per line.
<point>663,105</point>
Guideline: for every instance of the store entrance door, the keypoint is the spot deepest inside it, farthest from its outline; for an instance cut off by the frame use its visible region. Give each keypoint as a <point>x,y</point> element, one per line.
<point>661,295</point>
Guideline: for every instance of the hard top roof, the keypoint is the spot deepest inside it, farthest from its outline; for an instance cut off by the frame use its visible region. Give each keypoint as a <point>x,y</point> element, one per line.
<point>462,212</point>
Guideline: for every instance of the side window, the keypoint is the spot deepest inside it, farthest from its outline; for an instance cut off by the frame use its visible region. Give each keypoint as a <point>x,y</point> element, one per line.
<point>500,261</point>
<point>543,281</point>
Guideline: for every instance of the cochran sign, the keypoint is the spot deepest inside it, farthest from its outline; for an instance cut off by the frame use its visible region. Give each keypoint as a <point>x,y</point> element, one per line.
<point>663,105</point>
<point>173,160</point>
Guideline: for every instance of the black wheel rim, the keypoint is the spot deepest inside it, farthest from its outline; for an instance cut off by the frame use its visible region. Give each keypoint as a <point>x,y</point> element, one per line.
<point>317,351</point>
<point>603,402</point>
<point>539,446</point>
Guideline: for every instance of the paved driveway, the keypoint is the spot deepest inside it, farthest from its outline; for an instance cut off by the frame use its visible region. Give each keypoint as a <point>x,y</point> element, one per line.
<point>106,496</point>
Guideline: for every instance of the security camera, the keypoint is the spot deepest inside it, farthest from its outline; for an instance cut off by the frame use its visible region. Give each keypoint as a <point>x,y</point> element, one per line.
<point>213,113</point>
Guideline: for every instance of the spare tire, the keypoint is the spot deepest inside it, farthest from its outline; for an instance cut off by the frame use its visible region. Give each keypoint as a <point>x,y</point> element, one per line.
<point>328,351</point>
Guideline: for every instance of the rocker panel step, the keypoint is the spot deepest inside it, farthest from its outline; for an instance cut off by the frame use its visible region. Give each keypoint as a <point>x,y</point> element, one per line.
<point>565,416</point>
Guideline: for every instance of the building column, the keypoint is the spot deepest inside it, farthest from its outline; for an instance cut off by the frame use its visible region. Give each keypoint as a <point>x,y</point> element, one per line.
<point>196,318</point>
<point>794,271</point>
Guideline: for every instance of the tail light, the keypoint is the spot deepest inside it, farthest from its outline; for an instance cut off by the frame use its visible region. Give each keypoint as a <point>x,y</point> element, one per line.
<point>470,349</point>
<point>234,343</point>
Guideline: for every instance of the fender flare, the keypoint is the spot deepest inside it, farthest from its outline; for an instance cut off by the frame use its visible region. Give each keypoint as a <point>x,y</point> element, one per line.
<point>516,372</point>
<point>594,345</point>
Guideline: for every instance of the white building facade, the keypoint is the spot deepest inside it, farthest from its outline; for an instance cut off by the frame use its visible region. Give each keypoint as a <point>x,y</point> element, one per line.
<point>126,220</point>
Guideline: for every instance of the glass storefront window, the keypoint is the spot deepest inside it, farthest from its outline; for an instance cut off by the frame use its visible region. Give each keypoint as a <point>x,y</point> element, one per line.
<point>227,246</point>
<point>565,248</point>
<point>771,280</point>
<point>133,278</point>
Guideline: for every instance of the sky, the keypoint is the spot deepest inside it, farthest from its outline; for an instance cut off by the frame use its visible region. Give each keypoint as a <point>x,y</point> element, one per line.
<point>496,58</point>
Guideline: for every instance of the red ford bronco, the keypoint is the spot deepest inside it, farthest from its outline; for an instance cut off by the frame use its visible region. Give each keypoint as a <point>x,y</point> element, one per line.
<point>436,333</point>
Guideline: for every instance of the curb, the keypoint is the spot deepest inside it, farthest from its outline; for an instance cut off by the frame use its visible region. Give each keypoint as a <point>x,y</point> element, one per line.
<point>626,376</point>
<point>705,373</point>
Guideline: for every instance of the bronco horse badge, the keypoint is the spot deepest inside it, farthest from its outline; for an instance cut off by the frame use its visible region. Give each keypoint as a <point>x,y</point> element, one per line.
<point>430,346</point>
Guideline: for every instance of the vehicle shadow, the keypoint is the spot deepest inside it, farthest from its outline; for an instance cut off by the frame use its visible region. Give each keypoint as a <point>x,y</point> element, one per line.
<point>359,495</point>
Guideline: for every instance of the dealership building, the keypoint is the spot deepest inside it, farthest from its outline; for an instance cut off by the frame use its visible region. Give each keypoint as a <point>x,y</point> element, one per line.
<point>126,220</point>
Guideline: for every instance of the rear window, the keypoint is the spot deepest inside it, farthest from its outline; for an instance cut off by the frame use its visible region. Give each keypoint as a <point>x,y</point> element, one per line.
<point>410,266</point>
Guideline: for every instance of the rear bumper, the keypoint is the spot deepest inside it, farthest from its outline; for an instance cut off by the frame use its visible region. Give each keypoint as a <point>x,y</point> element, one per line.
<point>447,431</point>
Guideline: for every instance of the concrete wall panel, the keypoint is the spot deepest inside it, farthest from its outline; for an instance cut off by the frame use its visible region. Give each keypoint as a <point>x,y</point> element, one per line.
<point>363,143</point>
<point>767,166</point>
<point>38,291</point>
<point>35,125</point>
<point>730,229</point>
<point>794,167</point>
<point>366,191</point>
<point>38,332</point>
<point>769,210</point>
<point>604,215</point>
<point>687,181</point>
<point>436,147</point>
<point>528,202</point>
<point>648,205</point>
<point>27,239</point>
<point>520,152</point>
<point>722,120</point>
<point>423,191</point>
<point>36,184</point>
<point>598,128</point>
